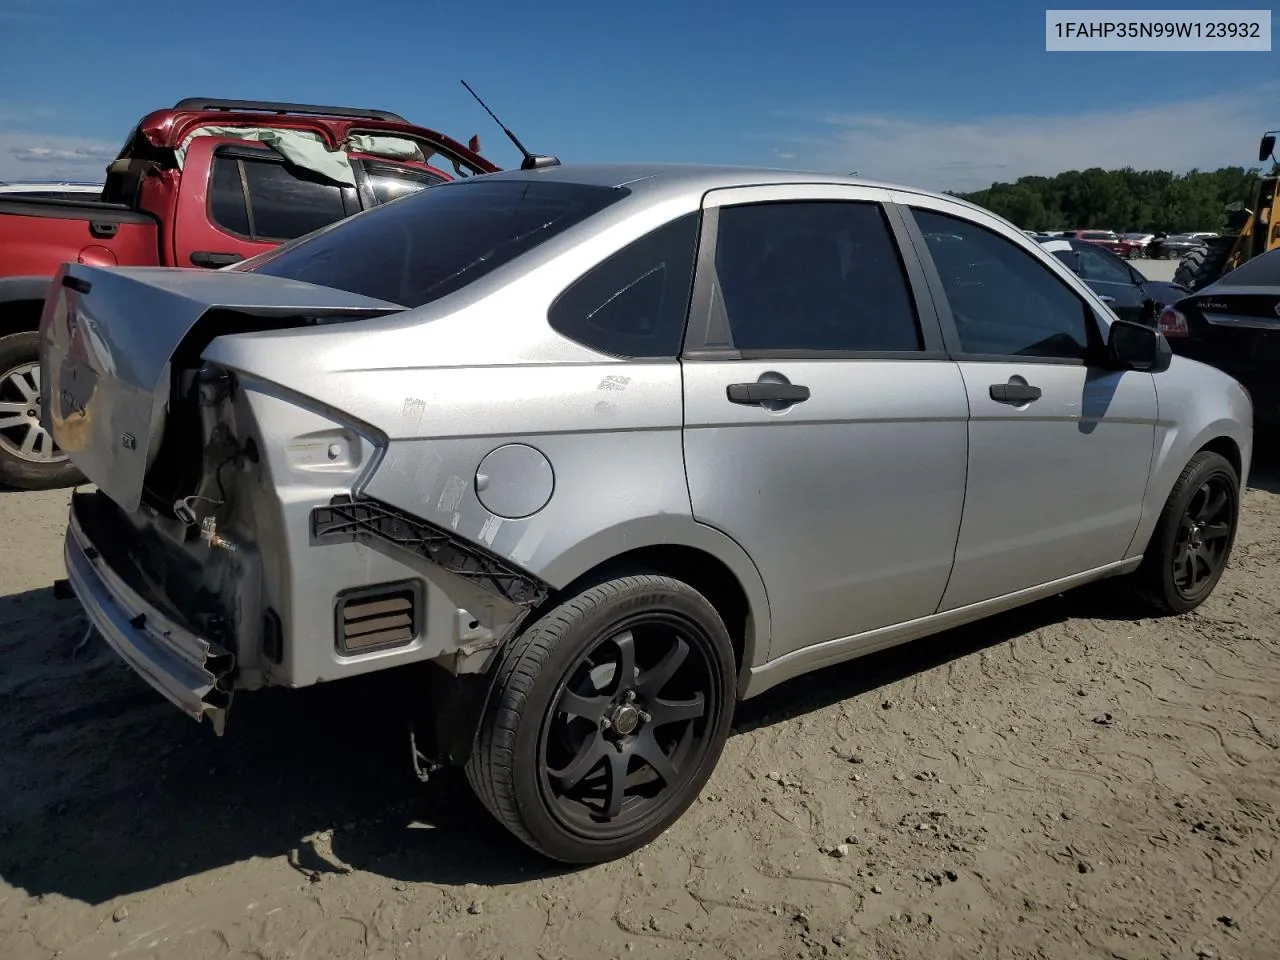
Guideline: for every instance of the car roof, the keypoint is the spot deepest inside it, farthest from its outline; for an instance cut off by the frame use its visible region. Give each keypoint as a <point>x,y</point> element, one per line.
<point>657,182</point>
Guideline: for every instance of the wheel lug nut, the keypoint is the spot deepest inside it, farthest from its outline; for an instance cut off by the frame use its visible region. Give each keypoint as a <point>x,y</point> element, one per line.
<point>644,717</point>
<point>605,723</point>
<point>631,696</point>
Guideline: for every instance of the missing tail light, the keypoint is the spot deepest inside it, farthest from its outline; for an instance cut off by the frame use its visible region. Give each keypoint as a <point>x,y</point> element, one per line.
<point>1173,323</point>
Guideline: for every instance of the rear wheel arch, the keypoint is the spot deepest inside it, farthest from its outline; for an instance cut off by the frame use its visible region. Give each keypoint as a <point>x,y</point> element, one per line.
<point>21,313</point>
<point>701,570</point>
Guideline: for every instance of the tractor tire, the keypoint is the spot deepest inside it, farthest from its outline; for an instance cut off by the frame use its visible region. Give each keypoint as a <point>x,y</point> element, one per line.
<point>1204,265</point>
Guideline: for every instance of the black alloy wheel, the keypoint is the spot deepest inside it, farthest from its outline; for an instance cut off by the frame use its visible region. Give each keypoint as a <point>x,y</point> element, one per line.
<point>1204,537</point>
<point>1192,540</point>
<point>623,729</point>
<point>607,717</point>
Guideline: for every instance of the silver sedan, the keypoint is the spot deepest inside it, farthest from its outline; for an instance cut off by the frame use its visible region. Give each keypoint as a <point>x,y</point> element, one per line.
<point>596,452</point>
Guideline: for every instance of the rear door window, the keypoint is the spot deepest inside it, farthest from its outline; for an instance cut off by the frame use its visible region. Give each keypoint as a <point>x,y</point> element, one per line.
<point>284,202</point>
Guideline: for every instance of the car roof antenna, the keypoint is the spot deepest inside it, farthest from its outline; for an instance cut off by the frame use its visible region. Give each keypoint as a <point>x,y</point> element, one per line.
<point>531,161</point>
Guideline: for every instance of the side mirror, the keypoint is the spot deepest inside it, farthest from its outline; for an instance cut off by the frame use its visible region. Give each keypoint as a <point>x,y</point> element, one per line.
<point>1135,346</point>
<point>1267,147</point>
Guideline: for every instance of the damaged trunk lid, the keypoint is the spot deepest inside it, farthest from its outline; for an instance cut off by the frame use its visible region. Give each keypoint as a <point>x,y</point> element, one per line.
<point>109,337</point>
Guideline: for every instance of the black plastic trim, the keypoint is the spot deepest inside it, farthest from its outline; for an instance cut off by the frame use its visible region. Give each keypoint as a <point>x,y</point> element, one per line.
<point>345,519</point>
<point>96,212</point>
<point>272,106</point>
<point>418,607</point>
<point>77,284</point>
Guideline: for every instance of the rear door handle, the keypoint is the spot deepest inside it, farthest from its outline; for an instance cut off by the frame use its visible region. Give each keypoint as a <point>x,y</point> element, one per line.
<point>210,258</point>
<point>1014,392</point>
<point>754,394</point>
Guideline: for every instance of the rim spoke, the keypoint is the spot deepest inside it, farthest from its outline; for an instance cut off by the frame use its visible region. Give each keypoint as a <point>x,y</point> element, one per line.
<point>34,374</point>
<point>1185,572</point>
<point>10,420</point>
<point>1202,569</point>
<point>626,670</point>
<point>652,681</point>
<point>29,443</point>
<point>616,782</point>
<point>648,750</point>
<point>590,755</point>
<point>1215,531</point>
<point>588,708</point>
<point>20,382</point>
<point>1214,502</point>
<point>674,711</point>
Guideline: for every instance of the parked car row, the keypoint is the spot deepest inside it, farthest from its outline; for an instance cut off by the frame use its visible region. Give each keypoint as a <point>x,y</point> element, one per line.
<point>1156,246</point>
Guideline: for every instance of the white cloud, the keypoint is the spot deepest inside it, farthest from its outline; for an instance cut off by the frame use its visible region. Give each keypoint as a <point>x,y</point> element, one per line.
<point>38,156</point>
<point>942,153</point>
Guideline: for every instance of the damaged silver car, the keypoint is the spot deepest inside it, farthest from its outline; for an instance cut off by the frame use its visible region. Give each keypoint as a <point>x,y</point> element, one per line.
<point>603,450</point>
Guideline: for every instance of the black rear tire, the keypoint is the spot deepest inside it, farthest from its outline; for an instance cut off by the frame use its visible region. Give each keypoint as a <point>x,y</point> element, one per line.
<point>515,765</point>
<point>18,353</point>
<point>1203,265</point>
<point>1192,533</point>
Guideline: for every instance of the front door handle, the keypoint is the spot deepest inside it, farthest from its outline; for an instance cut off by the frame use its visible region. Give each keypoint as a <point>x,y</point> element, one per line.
<point>1014,392</point>
<point>754,394</point>
<point>210,258</point>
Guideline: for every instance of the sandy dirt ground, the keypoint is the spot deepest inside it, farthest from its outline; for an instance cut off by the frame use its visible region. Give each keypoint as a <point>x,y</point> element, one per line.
<point>1058,782</point>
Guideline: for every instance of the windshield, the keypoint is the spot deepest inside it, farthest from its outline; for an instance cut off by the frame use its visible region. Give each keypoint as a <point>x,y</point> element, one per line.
<point>422,247</point>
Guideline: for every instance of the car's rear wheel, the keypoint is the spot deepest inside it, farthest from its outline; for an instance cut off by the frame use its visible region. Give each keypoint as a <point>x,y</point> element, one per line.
<point>29,459</point>
<point>1192,541</point>
<point>607,717</point>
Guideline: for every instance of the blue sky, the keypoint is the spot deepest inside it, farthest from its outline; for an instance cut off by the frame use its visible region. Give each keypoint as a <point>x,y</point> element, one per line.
<point>936,94</point>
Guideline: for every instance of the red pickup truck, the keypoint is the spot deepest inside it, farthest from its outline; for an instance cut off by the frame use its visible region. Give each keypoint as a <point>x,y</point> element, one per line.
<point>1109,239</point>
<point>204,184</point>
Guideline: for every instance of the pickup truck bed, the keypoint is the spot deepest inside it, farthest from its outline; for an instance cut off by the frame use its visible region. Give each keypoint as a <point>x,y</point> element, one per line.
<point>106,234</point>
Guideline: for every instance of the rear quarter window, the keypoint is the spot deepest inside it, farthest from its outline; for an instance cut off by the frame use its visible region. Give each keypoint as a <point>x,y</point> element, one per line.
<point>634,303</point>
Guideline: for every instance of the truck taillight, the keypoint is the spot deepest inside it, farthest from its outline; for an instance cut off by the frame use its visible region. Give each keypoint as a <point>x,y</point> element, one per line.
<point>1173,323</point>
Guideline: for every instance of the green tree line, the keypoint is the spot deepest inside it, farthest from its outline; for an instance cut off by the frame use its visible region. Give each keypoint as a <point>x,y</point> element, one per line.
<point>1122,200</point>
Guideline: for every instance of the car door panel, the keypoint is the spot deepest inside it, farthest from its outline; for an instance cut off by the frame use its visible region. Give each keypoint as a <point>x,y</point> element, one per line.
<point>1055,486</point>
<point>1056,474</point>
<point>849,500</point>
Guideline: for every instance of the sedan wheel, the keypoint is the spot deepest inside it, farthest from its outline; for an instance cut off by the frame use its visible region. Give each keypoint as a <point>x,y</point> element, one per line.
<point>1192,541</point>
<point>1204,534</point>
<point>608,716</point>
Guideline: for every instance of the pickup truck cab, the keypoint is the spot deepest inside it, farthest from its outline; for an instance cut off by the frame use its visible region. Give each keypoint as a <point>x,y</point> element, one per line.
<point>204,184</point>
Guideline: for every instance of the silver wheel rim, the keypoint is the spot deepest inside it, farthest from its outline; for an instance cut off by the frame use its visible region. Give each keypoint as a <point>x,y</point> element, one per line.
<point>21,433</point>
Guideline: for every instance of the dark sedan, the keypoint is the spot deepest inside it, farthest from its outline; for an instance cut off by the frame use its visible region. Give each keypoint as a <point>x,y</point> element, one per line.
<point>1132,296</point>
<point>1174,247</point>
<point>1234,325</point>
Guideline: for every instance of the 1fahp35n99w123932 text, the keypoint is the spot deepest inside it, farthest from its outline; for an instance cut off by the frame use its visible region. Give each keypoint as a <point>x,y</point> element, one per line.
<point>1157,30</point>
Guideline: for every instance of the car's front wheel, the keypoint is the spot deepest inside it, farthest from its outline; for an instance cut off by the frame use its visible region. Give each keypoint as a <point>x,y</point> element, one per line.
<point>607,717</point>
<point>1192,541</point>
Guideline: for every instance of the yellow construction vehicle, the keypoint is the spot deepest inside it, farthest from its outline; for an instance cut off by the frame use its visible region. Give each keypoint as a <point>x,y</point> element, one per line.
<point>1252,230</point>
